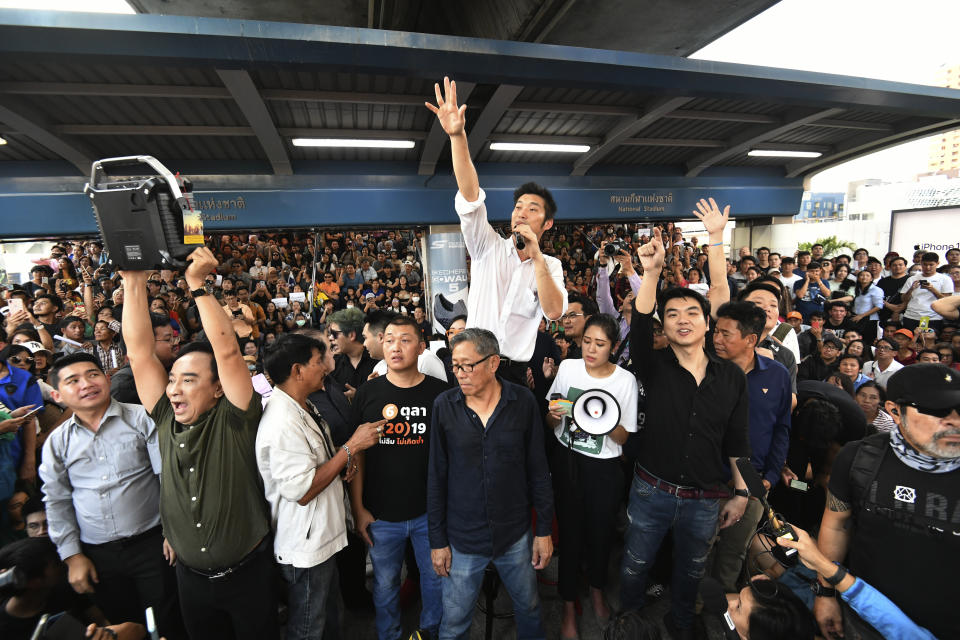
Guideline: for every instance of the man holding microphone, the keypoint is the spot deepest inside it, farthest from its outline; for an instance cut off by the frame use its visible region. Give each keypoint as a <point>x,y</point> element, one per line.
<point>512,282</point>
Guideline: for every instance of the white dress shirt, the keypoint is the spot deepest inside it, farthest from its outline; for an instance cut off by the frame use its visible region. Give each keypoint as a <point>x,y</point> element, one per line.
<point>503,290</point>
<point>104,486</point>
<point>290,447</point>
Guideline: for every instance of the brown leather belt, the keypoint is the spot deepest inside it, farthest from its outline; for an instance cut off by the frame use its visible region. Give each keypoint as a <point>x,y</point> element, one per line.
<point>686,493</point>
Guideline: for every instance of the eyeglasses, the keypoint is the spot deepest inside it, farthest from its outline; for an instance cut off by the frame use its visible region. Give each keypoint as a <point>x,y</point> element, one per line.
<point>171,340</point>
<point>334,333</point>
<point>571,315</point>
<point>883,347</point>
<point>936,413</point>
<point>468,368</point>
<point>20,359</point>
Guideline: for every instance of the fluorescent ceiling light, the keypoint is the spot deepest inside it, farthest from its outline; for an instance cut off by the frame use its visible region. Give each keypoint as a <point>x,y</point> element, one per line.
<point>91,6</point>
<point>3,141</point>
<point>346,142</point>
<point>533,146</point>
<point>770,153</point>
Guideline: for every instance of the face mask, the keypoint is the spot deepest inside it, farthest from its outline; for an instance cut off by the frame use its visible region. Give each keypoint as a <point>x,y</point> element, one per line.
<point>349,306</point>
<point>300,323</point>
<point>415,299</point>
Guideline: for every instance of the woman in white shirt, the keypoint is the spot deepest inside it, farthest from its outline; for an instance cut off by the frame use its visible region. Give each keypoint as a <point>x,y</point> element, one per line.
<point>588,476</point>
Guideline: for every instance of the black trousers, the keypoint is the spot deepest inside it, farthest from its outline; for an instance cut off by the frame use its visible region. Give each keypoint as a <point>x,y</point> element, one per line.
<point>515,372</point>
<point>134,575</point>
<point>240,606</point>
<point>589,493</point>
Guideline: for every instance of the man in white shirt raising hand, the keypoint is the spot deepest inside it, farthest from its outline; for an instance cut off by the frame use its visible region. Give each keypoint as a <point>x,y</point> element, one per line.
<point>511,287</point>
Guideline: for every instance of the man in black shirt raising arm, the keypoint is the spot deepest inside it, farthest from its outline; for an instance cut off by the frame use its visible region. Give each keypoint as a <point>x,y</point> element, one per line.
<point>696,420</point>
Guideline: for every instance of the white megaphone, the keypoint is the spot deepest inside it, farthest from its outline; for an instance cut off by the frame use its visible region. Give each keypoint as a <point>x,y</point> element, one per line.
<point>596,412</point>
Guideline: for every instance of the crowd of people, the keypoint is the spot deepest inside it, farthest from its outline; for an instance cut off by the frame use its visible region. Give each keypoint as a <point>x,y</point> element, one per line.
<point>281,388</point>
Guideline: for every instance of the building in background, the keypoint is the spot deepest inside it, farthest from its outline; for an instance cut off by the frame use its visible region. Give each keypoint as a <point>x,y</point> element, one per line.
<point>945,149</point>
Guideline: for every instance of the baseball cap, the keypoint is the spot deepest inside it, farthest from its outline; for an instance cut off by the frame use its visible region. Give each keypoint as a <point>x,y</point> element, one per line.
<point>905,332</point>
<point>933,386</point>
<point>35,346</point>
<point>370,295</point>
<point>795,314</point>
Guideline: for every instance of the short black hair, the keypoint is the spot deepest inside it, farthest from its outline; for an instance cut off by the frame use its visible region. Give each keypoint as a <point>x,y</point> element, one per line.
<point>378,319</point>
<point>750,318</point>
<point>816,244</point>
<point>201,347</point>
<point>588,305</point>
<point>53,376</point>
<point>787,260</point>
<point>814,265</point>
<point>34,504</point>
<point>818,422</point>
<point>462,316</point>
<point>930,257</point>
<point>69,320</point>
<point>287,350</point>
<point>157,321</point>
<point>550,207</point>
<point>682,292</point>
<point>230,293</point>
<point>32,556</point>
<point>399,320</point>
<point>900,258</point>
<point>835,303</point>
<point>872,384</point>
<point>762,284</point>
<point>54,300</point>
<point>783,616</point>
<point>800,254</point>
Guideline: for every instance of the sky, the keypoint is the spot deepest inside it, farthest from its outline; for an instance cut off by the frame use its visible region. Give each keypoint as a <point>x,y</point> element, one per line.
<point>897,40</point>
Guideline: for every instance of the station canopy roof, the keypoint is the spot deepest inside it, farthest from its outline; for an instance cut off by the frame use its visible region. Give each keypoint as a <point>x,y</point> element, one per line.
<point>223,96</point>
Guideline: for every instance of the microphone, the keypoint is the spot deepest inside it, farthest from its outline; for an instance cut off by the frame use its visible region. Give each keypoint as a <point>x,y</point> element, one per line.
<point>519,241</point>
<point>778,528</point>
<point>715,603</point>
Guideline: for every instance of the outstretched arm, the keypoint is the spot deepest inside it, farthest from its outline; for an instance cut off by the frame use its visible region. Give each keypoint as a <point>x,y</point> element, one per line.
<point>234,376</point>
<point>148,373</point>
<point>651,259</point>
<point>453,119</point>
<point>714,222</point>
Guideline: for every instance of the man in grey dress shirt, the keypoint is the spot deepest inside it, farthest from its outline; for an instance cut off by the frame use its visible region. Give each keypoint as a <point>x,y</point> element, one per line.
<point>100,480</point>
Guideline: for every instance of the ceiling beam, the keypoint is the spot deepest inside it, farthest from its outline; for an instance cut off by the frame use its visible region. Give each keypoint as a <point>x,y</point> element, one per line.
<point>746,140</point>
<point>437,138</point>
<point>723,116</point>
<point>852,124</point>
<point>625,130</point>
<point>789,146</point>
<point>245,93</point>
<point>16,116</point>
<point>108,89</point>
<point>492,112</point>
<point>585,109</point>
<point>298,95</point>
<point>203,130</point>
<point>672,142</point>
<point>868,142</point>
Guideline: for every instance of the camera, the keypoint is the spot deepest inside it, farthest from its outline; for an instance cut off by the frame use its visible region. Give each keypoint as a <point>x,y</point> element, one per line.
<point>614,248</point>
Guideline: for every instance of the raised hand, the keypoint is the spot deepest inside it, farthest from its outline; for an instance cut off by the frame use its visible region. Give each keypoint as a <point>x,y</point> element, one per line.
<point>651,255</point>
<point>709,214</point>
<point>452,118</point>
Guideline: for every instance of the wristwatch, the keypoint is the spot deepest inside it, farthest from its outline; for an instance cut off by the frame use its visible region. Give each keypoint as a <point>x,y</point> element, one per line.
<point>202,291</point>
<point>841,573</point>
<point>743,493</point>
<point>38,327</point>
<point>820,591</point>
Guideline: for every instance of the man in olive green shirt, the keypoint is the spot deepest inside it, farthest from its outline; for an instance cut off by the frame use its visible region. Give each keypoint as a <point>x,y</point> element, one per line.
<point>212,503</point>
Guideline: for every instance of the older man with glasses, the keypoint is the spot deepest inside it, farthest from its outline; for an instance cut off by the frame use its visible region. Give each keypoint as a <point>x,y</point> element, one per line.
<point>487,470</point>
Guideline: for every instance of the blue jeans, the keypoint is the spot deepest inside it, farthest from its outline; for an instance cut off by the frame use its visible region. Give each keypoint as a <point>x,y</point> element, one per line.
<point>313,611</point>
<point>652,513</point>
<point>387,552</point>
<point>461,589</point>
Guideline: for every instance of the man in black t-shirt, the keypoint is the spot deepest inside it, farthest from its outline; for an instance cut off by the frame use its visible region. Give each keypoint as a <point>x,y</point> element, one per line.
<point>389,493</point>
<point>892,505</point>
<point>838,319</point>
<point>891,286</point>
